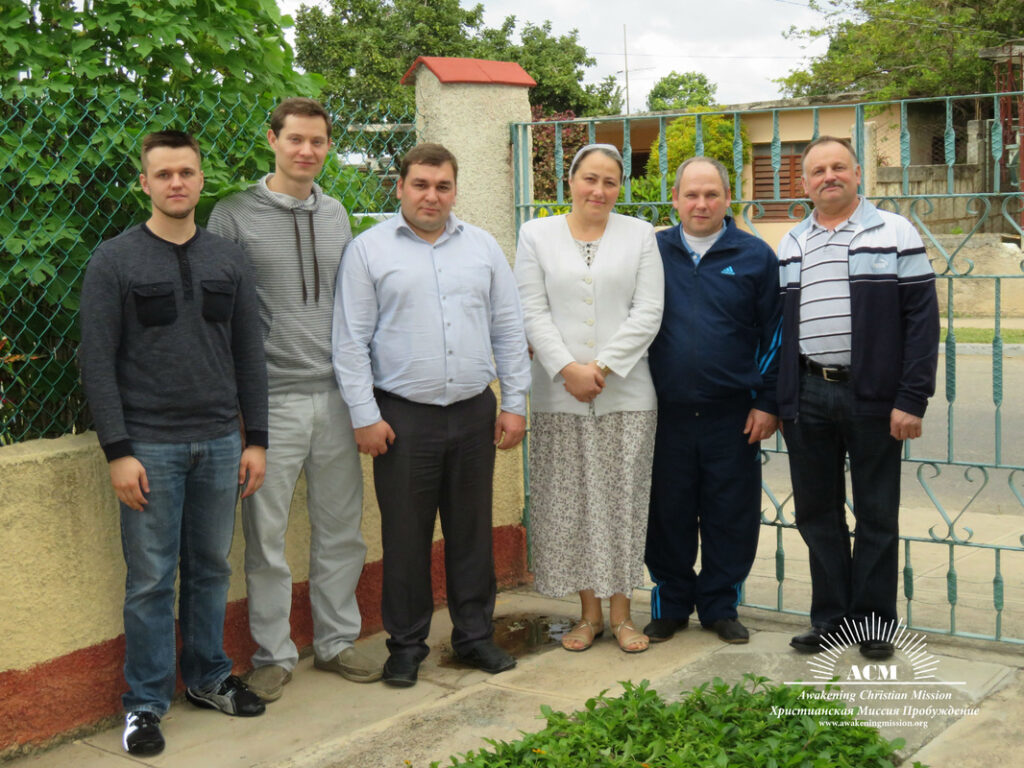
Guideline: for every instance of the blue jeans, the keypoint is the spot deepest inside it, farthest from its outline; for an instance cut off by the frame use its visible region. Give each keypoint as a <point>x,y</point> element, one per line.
<point>845,584</point>
<point>189,519</point>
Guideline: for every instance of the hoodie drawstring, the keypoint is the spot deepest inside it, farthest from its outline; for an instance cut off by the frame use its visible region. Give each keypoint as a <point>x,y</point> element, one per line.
<point>316,264</point>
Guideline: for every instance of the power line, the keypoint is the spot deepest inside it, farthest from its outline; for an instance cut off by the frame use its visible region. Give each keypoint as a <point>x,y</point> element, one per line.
<point>689,56</point>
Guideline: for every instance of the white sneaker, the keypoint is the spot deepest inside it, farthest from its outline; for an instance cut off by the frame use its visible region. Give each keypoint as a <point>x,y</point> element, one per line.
<point>232,697</point>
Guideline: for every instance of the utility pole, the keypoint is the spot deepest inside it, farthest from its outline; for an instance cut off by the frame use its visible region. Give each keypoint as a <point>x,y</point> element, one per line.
<point>625,58</point>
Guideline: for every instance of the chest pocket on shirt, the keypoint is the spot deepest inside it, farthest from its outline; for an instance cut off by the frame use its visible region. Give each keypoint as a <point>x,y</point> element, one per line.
<point>218,300</point>
<point>154,304</point>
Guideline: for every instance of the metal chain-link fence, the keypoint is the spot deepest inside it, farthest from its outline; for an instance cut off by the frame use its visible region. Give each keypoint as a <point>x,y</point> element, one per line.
<point>69,180</point>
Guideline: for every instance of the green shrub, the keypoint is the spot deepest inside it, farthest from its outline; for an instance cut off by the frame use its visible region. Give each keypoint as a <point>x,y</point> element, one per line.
<point>713,726</point>
<point>718,138</point>
<point>573,136</point>
<point>80,84</point>
<point>718,135</point>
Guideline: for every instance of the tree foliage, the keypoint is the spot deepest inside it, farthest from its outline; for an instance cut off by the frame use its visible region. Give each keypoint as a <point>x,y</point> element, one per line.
<point>159,48</point>
<point>717,135</point>
<point>891,49</point>
<point>81,81</point>
<point>124,50</point>
<point>608,96</point>
<point>558,64</point>
<point>364,47</point>
<point>573,136</point>
<point>681,90</point>
<point>717,132</point>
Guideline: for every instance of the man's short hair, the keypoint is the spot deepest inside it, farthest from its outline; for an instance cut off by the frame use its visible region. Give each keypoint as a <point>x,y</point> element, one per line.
<point>170,139</point>
<point>428,154</point>
<point>723,172</point>
<point>827,140</point>
<point>298,105</point>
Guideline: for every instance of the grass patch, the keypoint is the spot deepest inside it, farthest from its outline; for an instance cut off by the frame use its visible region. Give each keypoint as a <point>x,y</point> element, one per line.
<point>984,335</point>
<point>714,726</point>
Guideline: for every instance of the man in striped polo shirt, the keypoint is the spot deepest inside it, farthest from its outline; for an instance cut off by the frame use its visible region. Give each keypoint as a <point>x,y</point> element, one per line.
<point>859,355</point>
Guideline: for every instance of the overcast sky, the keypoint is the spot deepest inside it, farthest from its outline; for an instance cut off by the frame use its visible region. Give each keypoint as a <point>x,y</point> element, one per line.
<point>738,44</point>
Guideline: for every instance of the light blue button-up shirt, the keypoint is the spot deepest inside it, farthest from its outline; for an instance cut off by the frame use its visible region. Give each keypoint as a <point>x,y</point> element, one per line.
<point>434,323</point>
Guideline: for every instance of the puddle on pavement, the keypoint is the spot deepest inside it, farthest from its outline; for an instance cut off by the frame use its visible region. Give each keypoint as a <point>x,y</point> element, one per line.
<point>521,634</point>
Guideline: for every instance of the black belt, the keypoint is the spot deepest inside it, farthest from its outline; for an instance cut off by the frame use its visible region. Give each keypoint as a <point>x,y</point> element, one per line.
<point>836,373</point>
<point>377,391</point>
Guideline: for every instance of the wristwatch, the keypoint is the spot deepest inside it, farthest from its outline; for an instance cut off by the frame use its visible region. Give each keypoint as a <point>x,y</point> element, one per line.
<point>604,369</point>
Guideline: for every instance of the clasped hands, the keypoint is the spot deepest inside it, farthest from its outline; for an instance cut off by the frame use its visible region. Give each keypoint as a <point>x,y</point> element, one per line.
<point>584,381</point>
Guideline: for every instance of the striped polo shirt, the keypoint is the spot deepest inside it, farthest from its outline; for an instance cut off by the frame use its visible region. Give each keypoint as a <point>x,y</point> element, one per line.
<point>825,293</point>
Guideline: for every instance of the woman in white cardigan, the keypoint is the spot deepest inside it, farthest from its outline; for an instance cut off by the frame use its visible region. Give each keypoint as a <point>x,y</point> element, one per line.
<point>592,289</point>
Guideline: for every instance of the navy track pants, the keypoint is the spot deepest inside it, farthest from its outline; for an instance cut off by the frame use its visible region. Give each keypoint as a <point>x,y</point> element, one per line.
<point>706,483</point>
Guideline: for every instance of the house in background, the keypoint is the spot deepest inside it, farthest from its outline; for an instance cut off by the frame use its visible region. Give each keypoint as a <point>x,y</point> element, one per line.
<point>932,159</point>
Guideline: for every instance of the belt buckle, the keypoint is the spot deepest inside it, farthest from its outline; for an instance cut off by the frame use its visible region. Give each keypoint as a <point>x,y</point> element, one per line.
<point>826,374</point>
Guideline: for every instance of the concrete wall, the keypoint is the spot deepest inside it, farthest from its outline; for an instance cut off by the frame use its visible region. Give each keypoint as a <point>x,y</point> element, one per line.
<point>61,567</point>
<point>62,644</point>
<point>940,214</point>
<point>798,125</point>
<point>983,254</point>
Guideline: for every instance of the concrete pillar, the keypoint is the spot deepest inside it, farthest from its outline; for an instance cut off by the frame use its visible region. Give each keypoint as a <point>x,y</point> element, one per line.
<point>467,105</point>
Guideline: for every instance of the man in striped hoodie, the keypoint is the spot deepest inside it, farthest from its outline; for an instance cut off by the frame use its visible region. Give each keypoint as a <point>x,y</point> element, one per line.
<point>294,236</point>
<point>859,354</point>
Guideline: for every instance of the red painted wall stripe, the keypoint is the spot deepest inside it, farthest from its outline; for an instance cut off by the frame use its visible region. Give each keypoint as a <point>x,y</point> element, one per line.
<point>80,689</point>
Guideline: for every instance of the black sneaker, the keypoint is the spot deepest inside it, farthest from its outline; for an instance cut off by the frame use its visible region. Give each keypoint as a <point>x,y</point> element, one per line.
<point>730,630</point>
<point>142,733</point>
<point>660,630</point>
<point>816,640</point>
<point>233,697</point>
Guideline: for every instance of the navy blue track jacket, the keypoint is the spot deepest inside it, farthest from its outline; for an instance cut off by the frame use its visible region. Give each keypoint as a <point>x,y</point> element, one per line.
<point>721,330</point>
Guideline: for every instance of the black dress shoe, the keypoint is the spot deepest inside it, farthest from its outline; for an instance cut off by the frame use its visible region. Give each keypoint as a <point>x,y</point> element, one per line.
<point>486,656</point>
<point>142,733</point>
<point>660,630</point>
<point>730,630</point>
<point>812,642</point>
<point>400,671</point>
<point>876,649</point>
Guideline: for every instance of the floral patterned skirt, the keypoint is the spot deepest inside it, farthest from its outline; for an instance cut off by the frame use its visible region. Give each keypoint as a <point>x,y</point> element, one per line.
<point>590,482</point>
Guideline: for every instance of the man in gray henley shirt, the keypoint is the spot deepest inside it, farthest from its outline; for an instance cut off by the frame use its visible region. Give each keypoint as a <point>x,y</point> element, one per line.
<point>170,353</point>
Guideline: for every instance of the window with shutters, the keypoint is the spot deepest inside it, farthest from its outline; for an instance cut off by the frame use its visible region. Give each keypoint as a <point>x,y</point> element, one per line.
<point>790,186</point>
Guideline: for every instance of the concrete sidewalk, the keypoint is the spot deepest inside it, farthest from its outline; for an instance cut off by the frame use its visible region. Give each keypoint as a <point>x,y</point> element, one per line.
<point>323,721</point>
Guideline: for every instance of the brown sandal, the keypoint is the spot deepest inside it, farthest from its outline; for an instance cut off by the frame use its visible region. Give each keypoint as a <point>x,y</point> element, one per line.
<point>627,635</point>
<point>583,632</point>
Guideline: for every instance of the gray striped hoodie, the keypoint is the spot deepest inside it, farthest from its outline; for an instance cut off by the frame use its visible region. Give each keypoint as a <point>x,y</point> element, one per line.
<point>294,247</point>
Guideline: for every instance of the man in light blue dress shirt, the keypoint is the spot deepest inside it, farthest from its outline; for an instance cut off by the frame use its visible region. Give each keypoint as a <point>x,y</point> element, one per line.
<point>426,316</point>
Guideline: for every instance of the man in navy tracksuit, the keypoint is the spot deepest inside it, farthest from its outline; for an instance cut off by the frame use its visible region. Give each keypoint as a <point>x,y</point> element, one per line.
<point>714,364</point>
